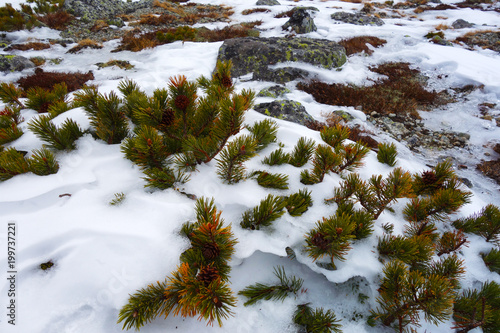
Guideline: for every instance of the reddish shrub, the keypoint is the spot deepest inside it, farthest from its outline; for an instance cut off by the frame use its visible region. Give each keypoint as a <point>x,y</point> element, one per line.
<point>358,44</point>
<point>47,80</point>
<point>29,46</point>
<point>58,20</point>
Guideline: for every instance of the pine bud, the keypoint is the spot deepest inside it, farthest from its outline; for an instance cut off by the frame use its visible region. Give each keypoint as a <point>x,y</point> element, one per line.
<point>226,81</point>
<point>217,302</point>
<point>150,142</point>
<point>181,102</point>
<point>339,230</point>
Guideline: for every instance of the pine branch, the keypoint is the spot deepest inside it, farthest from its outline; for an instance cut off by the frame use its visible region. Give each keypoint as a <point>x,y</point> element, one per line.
<point>10,133</point>
<point>10,94</point>
<point>301,152</point>
<point>351,156</point>
<point>298,203</point>
<point>492,260</point>
<point>164,178</point>
<point>62,138</point>
<point>362,220</point>
<point>43,162</point>
<point>324,161</point>
<point>387,153</point>
<point>277,157</point>
<point>331,237</point>
<point>451,241</point>
<point>317,321</point>
<point>40,99</point>
<point>146,148</point>
<point>12,163</point>
<point>485,224</point>
<point>280,291</point>
<point>264,133</point>
<point>144,306</point>
<point>335,136</point>
<point>277,181</point>
<point>270,209</point>
<point>450,268</point>
<point>230,166</point>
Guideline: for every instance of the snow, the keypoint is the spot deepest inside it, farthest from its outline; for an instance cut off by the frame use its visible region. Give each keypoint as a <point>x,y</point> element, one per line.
<point>103,253</point>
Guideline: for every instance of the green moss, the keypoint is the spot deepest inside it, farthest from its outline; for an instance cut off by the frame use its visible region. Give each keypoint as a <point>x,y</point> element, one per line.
<point>46,265</point>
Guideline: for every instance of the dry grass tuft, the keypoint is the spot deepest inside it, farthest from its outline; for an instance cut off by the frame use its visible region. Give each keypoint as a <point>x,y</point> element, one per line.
<point>255,10</point>
<point>358,44</point>
<point>85,44</point>
<point>58,20</point>
<point>47,80</point>
<point>401,93</point>
<point>99,25</point>
<point>490,169</point>
<point>29,46</point>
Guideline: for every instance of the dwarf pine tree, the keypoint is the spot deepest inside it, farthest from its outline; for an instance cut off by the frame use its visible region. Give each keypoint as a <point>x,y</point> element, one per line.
<point>317,320</point>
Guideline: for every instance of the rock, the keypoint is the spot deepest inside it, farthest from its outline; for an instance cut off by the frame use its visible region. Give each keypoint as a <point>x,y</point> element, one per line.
<point>90,10</point>
<point>274,92</point>
<point>326,265</point>
<point>268,3</point>
<point>255,54</point>
<point>461,24</point>
<point>466,182</point>
<point>300,22</point>
<point>357,19</point>
<point>284,109</point>
<point>485,39</point>
<point>344,115</point>
<point>281,75</point>
<point>14,63</point>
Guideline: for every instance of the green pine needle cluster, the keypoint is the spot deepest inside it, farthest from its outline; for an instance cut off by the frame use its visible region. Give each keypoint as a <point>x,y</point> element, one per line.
<point>478,308</point>
<point>62,138</point>
<point>199,286</point>
<point>486,224</point>
<point>10,118</point>
<point>10,94</point>
<point>331,237</point>
<point>302,152</point>
<point>277,157</point>
<point>40,99</point>
<point>492,260</point>
<point>387,153</point>
<point>277,181</point>
<point>264,132</point>
<point>269,210</point>
<point>298,203</point>
<point>279,292</point>
<point>405,295</point>
<point>317,320</point>
<point>376,194</point>
<point>41,163</point>
<point>106,113</point>
<point>230,167</point>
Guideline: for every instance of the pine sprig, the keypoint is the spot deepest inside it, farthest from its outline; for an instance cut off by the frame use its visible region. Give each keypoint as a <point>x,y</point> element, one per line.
<point>43,162</point>
<point>486,224</point>
<point>277,181</point>
<point>40,99</point>
<point>279,292</point>
<point>164,178</point>
<point>317,320</point>
<point>10,94</point>
<point>277,157</point>
<point>302,152</point>
<point>269,210</point>
<point>144,306</point>
<point>478,308</point>
<point>264,132</point>
<point>146,148</point>
<point>331,237</point>
<point>62,138</point>
<point>441,177</point>
<point>492,260</point>
<point>324,161</point>
<point>10,133</point>
<point>387,153</point>
<point>404,295</point>
<point>12,163</point>
<point>362,219</point>
<point>451,241</point>
<point>351,156</point>
<point>335,136</point>
<point>298,203</point>
<point>230,166</point>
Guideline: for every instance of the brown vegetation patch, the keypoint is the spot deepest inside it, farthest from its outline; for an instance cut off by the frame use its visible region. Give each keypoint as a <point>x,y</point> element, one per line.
<point>255,10</point>
<point>441,6</point>
<point>58,20</point>
<point>47,80</point>
<point>135,41</point>
<point>29,46</point>
<point>490,169</point>
<point>99,25</point>
<point>85,44</point>
<point>487,39</point>
<point>358,44</point>
<point>401,93</point>
<point>288,13</point>
<point>190,13</point>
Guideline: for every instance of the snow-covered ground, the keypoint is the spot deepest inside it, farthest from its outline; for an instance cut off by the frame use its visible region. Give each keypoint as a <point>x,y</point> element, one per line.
<point>103,253</point>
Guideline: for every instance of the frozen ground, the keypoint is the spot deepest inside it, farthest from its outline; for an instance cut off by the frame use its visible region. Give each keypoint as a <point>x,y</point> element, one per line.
<point>103,253</point>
